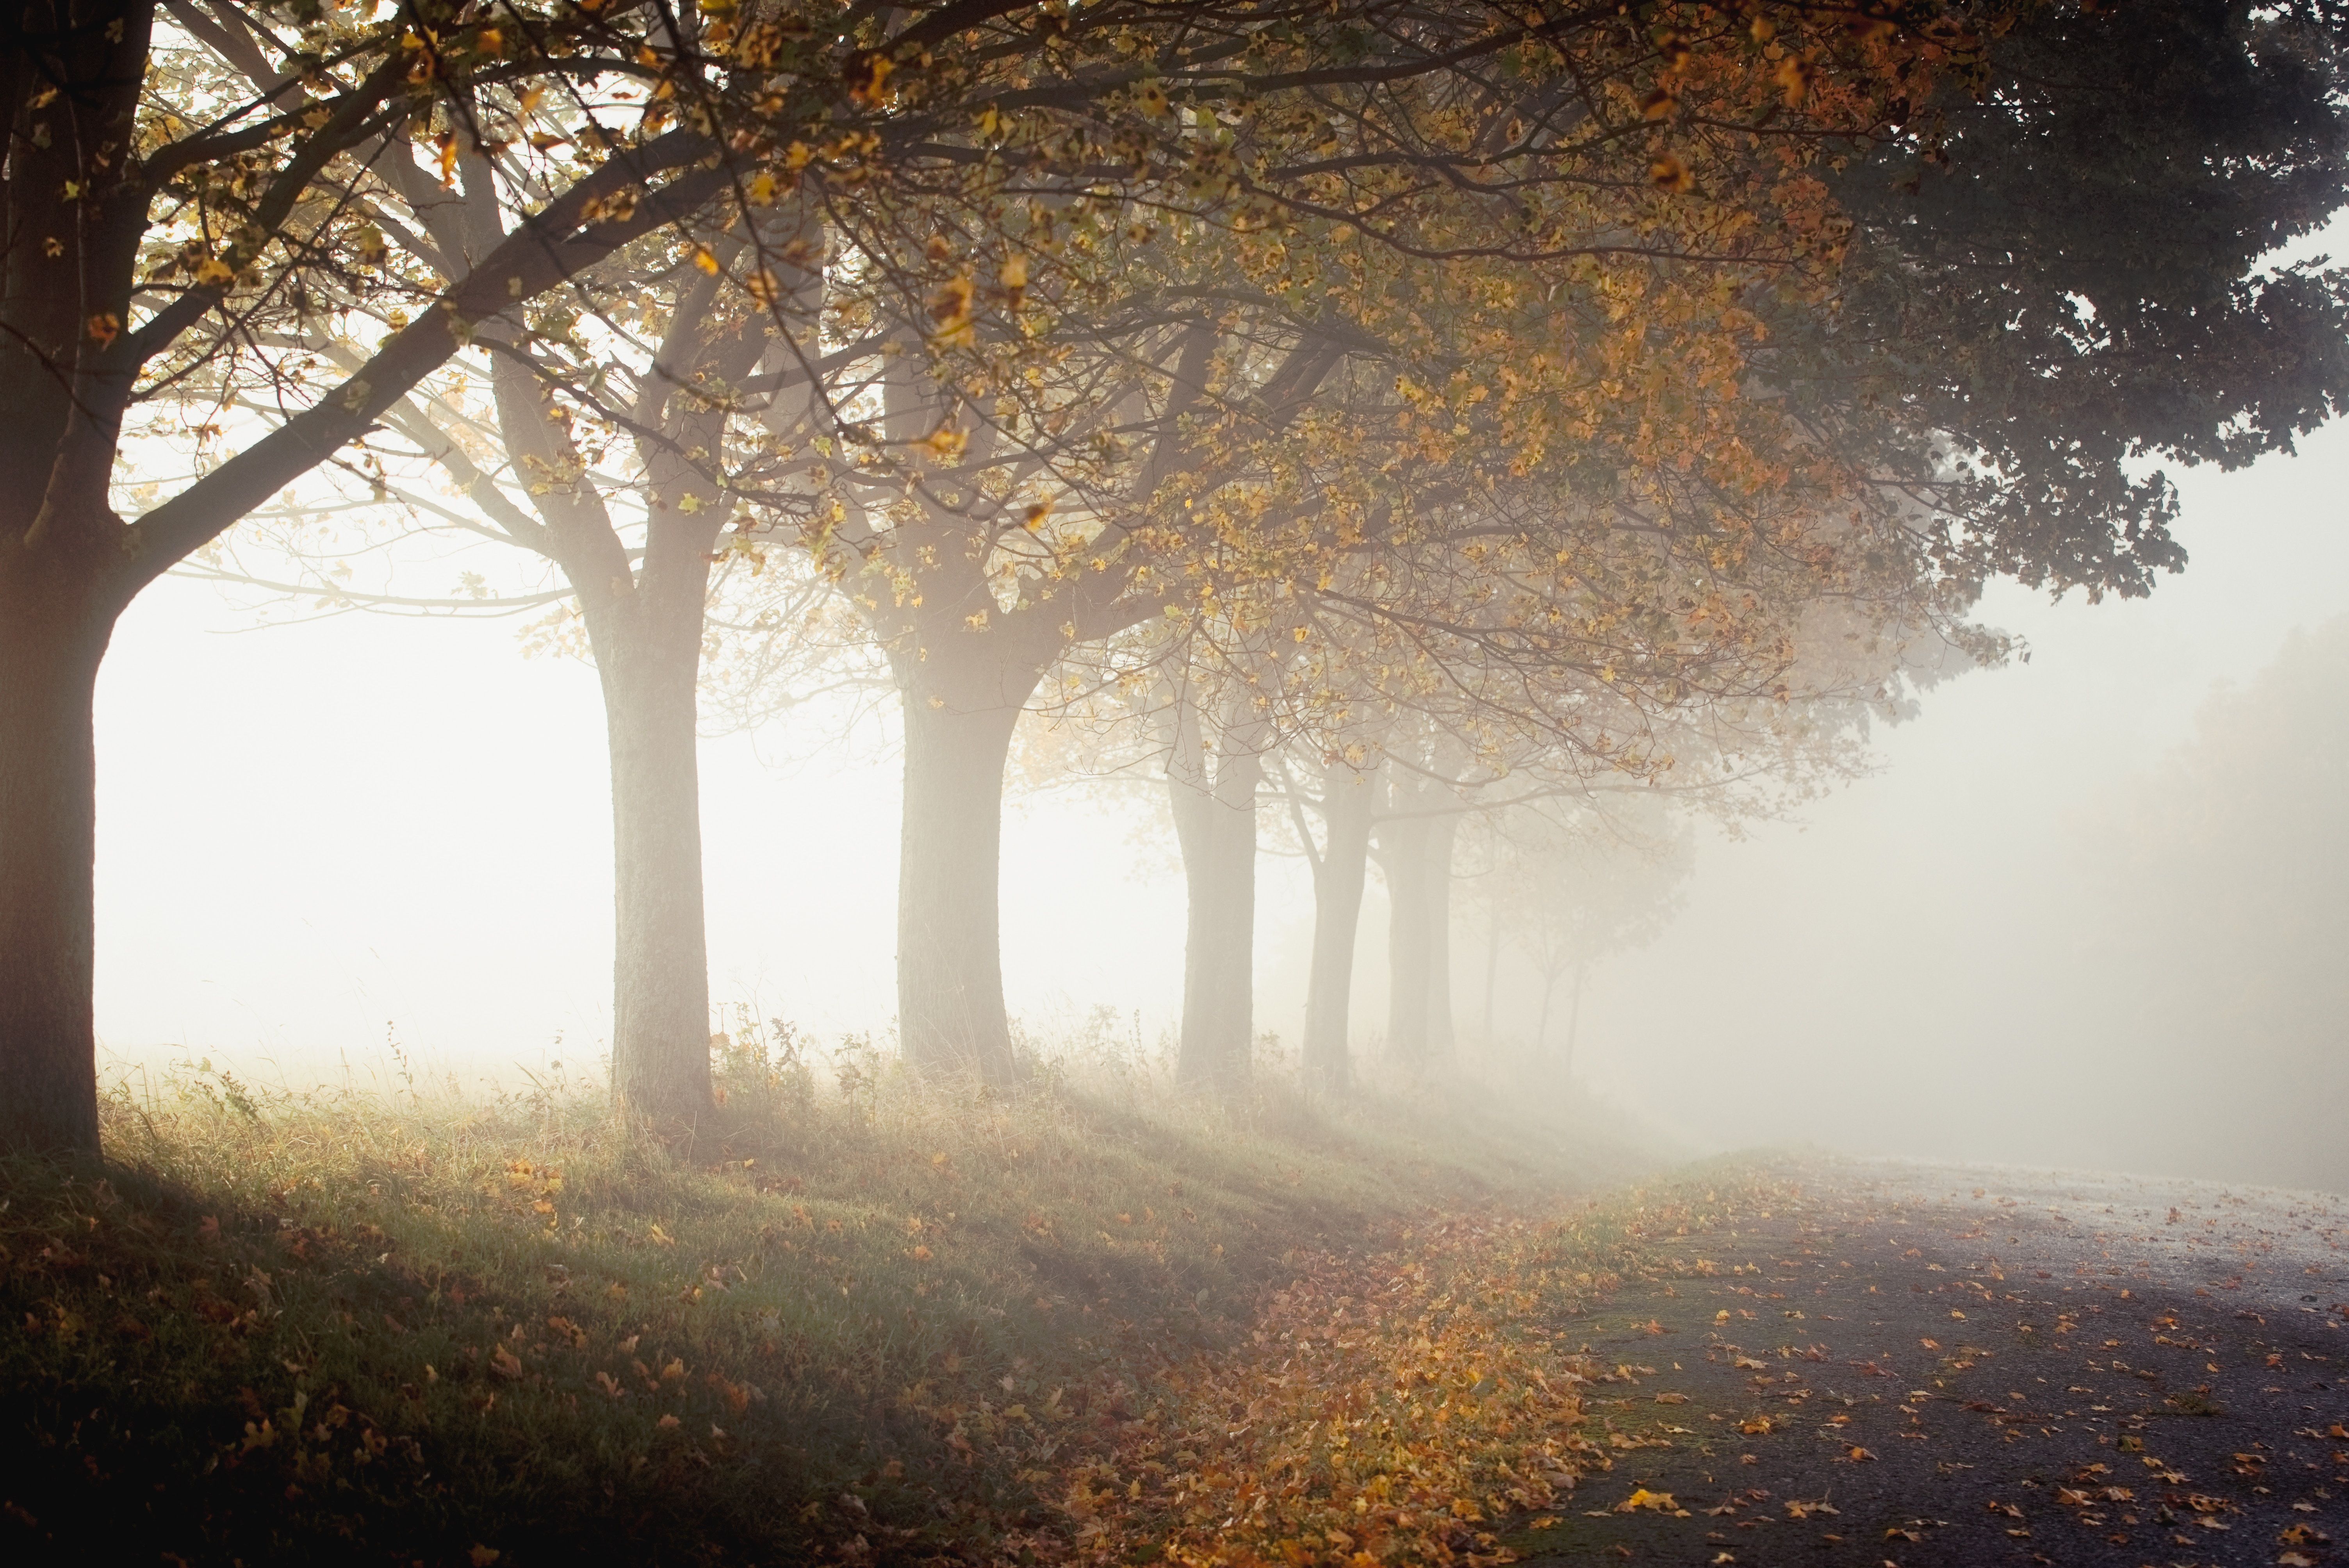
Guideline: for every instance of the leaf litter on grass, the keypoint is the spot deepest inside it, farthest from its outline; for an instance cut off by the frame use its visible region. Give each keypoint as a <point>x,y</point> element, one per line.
<point>1386,1408</point>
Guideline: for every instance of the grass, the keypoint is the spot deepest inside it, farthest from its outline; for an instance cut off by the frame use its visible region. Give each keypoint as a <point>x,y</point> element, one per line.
<point>858,1320</point>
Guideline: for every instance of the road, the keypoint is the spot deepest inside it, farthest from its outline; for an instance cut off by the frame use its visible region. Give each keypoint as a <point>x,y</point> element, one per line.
<point>1879,1363</point>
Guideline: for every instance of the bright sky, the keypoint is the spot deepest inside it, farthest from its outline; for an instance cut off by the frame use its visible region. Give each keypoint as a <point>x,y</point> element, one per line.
<point>317,837</point>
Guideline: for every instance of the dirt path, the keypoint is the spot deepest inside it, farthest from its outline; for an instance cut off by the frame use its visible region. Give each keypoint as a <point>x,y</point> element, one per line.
<point>1916,1365</point>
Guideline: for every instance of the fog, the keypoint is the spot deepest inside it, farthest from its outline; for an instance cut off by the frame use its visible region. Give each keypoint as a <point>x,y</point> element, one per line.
<point>322,838</point>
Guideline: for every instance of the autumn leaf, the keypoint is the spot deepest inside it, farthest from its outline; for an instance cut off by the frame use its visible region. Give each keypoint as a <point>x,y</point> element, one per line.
<point>1795,76</point>
<point>867,75</point>
<point>951,309</point>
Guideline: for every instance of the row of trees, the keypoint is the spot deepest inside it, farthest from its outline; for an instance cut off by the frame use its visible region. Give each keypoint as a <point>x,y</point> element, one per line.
<point>1435,405</point>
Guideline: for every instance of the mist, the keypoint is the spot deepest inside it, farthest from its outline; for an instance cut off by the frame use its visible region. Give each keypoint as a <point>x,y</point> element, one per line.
<point>336,832</point>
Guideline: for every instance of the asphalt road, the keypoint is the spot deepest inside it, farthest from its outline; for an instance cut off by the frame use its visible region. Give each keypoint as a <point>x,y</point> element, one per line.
<point>1909,1365</point>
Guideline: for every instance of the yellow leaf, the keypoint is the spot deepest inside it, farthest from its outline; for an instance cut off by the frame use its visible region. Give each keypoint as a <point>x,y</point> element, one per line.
<point>1795,76</point>
<point>213,273</point>
<point>703,258</point>
<point>950,308</point>
<point>867,76</point>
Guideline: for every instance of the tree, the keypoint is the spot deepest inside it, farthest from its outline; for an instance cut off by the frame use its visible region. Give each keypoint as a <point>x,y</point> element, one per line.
<point>162,219</point>
<point>203,227</point>
<point>2061,275</point>
<point>1581,884</point>
<point>612,423</point>
<point>1056,417</point>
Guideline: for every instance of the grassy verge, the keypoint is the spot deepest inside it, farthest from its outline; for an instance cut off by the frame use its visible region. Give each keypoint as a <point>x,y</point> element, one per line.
<point>859,1322</point>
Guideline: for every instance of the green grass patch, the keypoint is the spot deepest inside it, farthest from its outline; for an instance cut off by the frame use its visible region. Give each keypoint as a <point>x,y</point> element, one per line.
<point>856,1320</point>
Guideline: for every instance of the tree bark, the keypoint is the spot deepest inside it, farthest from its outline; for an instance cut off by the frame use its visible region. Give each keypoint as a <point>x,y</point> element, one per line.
<point>1348,799</point>
<point>1402,846</point>
<point>951,1019</point>
<point>1215,825</point>
<point>1574,1016</point>
<point>660,969</point>
<point>51,641</point>
<point>1441,836</point>
<point>1492,959</point>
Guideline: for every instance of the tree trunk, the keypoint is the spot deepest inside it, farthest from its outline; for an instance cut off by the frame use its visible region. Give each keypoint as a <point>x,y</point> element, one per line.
<point>1574,1016</point>
<point>1403,843</point>
<point>1492,959</point>
<point>1441,836</point>
<point>660,970</point>
<point>1541,1029</point>
<point>951,1019</point>
<point>1347,802</point>
<point>1216,826</point>
<point>50,645</point>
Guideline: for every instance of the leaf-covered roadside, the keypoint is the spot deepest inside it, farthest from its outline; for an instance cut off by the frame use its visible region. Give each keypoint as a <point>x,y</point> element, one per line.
<point>1385,1409</point>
